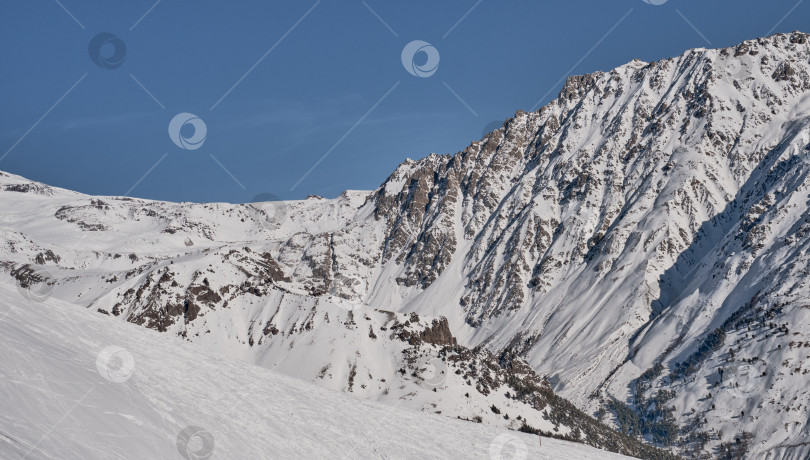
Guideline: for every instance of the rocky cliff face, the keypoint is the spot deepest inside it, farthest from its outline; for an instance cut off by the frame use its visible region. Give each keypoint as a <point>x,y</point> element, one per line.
<point>644,230</point>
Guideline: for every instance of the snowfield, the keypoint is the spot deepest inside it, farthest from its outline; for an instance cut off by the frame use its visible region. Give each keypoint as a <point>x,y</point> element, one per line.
<point>74,385</point>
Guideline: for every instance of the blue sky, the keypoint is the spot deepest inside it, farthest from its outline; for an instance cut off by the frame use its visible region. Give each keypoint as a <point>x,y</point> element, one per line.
<point>282,85</point>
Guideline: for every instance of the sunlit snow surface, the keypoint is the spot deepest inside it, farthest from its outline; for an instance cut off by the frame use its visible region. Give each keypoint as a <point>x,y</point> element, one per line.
<point>74,385</point>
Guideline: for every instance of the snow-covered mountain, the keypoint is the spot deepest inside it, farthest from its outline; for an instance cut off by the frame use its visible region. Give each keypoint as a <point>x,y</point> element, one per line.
<point>207,273</point>
<point>627,242</point>
<point>75,385</point>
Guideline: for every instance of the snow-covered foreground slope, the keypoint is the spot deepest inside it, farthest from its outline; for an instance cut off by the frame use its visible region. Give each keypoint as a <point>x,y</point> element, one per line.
<point>74,385</point>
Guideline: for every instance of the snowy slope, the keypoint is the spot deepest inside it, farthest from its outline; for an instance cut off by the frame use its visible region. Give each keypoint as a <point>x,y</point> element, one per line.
<point>621,240</point>
<point>75,385</point>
